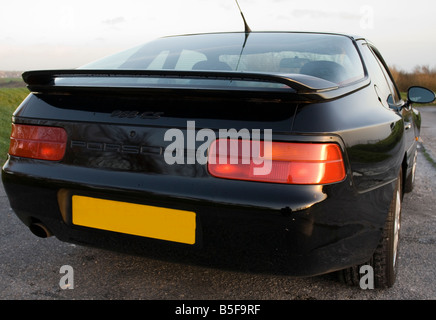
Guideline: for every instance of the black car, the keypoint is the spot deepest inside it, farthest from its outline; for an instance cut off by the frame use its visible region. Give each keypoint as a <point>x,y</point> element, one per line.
<point>278,144</point>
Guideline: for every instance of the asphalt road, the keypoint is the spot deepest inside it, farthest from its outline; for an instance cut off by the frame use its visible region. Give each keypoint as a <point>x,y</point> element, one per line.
<point>30,267</point>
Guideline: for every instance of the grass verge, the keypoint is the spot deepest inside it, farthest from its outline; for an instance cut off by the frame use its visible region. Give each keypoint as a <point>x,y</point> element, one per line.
<point>428,156</point>
<point>10,99</point>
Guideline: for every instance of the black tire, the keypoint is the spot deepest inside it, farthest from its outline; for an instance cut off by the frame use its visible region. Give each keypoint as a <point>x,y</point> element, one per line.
<point>385,258</point>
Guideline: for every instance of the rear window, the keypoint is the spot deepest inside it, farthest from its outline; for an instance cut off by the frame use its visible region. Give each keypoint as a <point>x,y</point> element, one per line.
<point>329,57</point>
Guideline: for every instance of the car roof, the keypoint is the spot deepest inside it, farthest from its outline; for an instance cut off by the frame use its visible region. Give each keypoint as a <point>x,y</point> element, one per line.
<point>353,37</point>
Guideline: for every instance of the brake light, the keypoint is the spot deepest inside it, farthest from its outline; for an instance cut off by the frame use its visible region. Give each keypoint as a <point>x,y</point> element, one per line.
<point>277,162</point>
<point>38,142</point>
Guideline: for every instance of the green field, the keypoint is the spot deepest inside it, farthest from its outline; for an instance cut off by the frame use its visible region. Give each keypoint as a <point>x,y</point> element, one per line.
<point>10,99</point>
<point>11,83</point>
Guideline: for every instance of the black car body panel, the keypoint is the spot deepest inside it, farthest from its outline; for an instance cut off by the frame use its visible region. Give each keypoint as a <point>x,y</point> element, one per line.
<point>116,145</point>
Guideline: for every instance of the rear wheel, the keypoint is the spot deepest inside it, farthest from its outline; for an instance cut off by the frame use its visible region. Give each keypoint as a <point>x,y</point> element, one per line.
<point>385,258</point>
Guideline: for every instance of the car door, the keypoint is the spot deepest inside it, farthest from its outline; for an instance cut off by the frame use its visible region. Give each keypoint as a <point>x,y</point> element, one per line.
<point>389,95</point>
<point>395,102</point>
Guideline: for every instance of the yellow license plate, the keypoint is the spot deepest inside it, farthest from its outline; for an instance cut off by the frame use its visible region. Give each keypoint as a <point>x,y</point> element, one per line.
<point>135,219</point>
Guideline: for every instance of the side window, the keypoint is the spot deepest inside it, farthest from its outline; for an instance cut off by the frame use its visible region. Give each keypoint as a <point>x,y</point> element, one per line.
<point>377,76</point>
<point>395,94</point>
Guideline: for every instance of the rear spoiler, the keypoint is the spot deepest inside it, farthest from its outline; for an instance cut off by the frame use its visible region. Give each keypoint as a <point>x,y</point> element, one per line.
<point>311,87</point>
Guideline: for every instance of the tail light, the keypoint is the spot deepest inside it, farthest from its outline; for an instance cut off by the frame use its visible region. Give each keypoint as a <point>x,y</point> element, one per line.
<point>277,162</point>
<point>38,142</point>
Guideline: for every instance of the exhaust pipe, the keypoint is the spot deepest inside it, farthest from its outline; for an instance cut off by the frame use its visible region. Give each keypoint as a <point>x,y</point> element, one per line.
<point>40,230</point>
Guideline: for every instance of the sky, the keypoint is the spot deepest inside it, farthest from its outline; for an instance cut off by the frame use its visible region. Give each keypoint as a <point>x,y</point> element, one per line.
<point>63,34</point>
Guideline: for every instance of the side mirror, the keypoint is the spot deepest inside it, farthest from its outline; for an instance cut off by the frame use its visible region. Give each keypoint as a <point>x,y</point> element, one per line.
<point>420,95</point>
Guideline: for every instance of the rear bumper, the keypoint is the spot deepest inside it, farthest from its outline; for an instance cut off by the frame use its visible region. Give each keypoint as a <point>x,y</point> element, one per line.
<point>301,230</point>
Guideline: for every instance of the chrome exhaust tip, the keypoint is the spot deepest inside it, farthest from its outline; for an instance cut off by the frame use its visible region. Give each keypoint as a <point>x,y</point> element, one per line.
<point>40,230</point>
